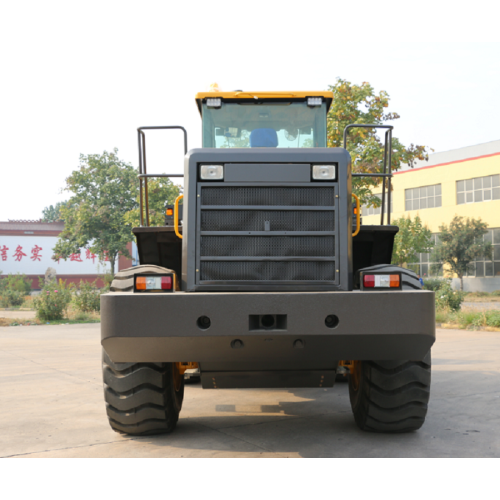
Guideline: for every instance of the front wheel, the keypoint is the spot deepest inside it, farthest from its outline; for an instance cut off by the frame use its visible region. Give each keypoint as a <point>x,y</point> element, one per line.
<point>142,398</point>
<point>390,396</point>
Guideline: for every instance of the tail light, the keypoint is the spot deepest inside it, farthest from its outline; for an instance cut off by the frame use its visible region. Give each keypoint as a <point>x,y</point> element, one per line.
<point>380,281</point>
<point>155,283</point>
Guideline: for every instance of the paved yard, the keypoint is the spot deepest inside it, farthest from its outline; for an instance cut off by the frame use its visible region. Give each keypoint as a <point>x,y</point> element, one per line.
<point>17,314</point>
<point>52,405</point>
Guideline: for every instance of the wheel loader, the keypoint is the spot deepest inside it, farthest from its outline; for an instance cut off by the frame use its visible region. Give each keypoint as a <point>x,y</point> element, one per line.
<point>264,277</point>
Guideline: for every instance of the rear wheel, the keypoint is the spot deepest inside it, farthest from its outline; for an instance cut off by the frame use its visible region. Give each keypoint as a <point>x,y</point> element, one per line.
<point>390,396</point>
<point>142,398</point>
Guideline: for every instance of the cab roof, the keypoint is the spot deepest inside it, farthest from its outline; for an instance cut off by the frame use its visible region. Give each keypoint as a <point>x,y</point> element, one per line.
<point>241,96</point>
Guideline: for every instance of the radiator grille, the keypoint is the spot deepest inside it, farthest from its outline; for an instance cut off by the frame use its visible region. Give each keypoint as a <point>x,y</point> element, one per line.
<point>277,220</point>
<point>272,196</point>
<point>267,246</point>
<point>268,271</point>
<point>244,256</point>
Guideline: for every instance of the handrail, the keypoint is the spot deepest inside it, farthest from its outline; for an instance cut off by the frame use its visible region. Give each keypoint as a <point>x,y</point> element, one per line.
<point>176,215</point>
<point>358,221</point>
<point>387,161</point>
<point>143,175</point>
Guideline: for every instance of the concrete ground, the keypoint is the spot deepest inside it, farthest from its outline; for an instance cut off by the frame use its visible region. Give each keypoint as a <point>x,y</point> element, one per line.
<point>51,405</point>
<point>17,314</point>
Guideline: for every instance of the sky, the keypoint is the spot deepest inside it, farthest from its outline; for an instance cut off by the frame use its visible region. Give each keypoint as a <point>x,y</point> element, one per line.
<point>80,77</point>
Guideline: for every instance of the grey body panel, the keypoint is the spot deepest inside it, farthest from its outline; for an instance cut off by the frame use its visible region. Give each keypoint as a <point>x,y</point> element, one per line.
<point>377,325</point>
<point>267,172</point>
<point>267,379</point>
<point>292,156</point>
<point>302,351</point>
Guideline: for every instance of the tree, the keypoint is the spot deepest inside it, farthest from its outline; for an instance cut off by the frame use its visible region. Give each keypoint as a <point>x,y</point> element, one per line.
<point>161,192</point>
<point>360,104</point>
<point>103,190</point>
<point>460,244</point>
<point>53,213</point>
<point>413,238</point>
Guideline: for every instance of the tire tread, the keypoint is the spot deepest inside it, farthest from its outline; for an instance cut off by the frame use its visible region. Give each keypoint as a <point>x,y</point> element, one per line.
<point>393,395</point>
<point>140,397</point>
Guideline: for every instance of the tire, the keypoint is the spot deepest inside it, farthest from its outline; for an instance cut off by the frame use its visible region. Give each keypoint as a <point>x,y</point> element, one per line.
<point>124,279</point>
<point>390,396</point>
<point>142,398</point>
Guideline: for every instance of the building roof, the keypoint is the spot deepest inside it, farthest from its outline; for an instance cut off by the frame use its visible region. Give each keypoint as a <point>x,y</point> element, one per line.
<point>455,155</point>
<point>30,225</point>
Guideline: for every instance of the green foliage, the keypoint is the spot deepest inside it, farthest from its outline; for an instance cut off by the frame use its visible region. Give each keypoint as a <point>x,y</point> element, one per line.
<point>433,284</point>
<point>442,316</point>
<point>53,301</point>
<point>493,318</point>
<point>447,298</point>
<point>413,238</point>
<point>477,294</point>
<point>12,298</point>
<point>161,192</point>
<point>53,213</point>
<point>464,318</point>
<point>16,282</point>
<point>88,298</point>
<point>470,318</point>
<point>361,104</point>
<point>108,279</point>
<point>460,244</point>
<point>102,191</point>
<point>82,316</point>
<point>13,289</point>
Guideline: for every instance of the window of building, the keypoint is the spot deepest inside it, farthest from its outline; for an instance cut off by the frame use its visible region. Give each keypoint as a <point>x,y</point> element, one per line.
<point>366,210</point>
<point>478,189</point>
<point>486,268</point>
<point>425,263</point>
<point>423,197</point>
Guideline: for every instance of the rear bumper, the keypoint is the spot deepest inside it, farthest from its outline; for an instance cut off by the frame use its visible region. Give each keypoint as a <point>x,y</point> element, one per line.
<point>163,328</point>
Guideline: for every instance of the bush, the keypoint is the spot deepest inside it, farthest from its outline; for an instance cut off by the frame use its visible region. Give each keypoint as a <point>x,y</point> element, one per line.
<point>17,283</point>
<point>13,289</point>
<point>108,279</point>
<point>12,298</point>
<point>470,318</point>
<point>493,318</point>
<point>496,293</point>
<point>433,284</point>
<point>53,301</point>
<point>89,297</point>
<point>447,298</point>
<point>442,317</point>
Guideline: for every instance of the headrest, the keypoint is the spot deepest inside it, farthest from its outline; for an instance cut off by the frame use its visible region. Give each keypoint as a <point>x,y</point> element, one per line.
<point>263,138</point>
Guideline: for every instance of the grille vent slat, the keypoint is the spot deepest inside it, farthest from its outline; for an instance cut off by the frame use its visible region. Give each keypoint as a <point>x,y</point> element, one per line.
<point>275,196</point>
<point>267,271</point>
<point>255,220</point>
<point>267,246</point>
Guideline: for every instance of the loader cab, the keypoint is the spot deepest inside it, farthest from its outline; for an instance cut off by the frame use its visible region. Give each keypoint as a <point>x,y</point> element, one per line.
<point>264,120</point>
